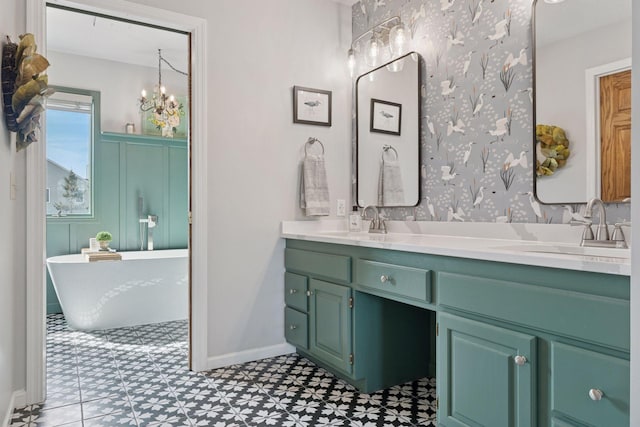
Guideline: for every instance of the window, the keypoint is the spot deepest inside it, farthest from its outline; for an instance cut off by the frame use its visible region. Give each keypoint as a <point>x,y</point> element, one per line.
<point>70,133</point>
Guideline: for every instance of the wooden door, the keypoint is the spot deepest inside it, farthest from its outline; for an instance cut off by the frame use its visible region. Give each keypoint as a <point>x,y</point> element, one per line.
<point>478,381</point>
<point>330,324</point>
<point>615,136</point>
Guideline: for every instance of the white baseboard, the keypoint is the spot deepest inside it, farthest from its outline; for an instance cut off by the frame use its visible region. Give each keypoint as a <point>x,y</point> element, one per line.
<point>18,400</point>
<point>249,355</point>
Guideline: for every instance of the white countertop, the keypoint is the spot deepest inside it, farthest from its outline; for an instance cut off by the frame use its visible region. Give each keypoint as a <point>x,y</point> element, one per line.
<point>544,245</point>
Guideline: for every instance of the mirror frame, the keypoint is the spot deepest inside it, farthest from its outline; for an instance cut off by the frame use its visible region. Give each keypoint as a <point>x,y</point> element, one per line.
<point>535,119</point>
<point>534,105</point>
<point>420,118</point>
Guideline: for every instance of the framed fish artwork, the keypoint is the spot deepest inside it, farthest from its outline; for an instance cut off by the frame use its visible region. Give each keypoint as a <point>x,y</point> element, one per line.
<point>386,117</point>
<point>311,106</point>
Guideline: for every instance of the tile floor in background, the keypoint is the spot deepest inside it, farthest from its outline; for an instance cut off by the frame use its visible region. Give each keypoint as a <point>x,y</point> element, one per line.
<point>138,376</point>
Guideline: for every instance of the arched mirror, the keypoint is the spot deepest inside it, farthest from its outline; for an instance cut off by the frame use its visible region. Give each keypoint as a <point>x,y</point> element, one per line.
<point>582,88</point>
<point>388,133</point>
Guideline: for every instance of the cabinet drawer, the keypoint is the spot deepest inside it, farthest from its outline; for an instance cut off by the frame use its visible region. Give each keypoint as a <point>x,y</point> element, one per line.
<point>336,267</point>
<point>575,371</point>
<point>295,327</point>
<point>597,319</point>
<point>295,291</point>
<point>398,280</point>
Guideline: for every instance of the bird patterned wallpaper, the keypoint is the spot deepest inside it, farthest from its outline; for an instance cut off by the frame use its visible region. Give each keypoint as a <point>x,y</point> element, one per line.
<point>477,124</point>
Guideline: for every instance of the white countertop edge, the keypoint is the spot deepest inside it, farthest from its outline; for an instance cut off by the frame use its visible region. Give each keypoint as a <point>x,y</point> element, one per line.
<point>463,247</point>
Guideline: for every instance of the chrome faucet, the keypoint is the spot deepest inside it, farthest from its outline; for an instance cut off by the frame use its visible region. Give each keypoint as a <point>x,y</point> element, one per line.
<point>377,224</point>
<point>151,221</point>
<point>601,238</point>
<point>602,232</point>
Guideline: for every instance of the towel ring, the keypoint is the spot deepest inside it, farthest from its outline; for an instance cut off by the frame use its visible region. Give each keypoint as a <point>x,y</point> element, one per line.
<point>312,141</point>
<point>386,148</point>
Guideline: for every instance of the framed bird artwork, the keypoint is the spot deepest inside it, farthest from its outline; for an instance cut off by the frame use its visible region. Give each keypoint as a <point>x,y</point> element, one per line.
<point>311,106</point>
<point>386,117</point>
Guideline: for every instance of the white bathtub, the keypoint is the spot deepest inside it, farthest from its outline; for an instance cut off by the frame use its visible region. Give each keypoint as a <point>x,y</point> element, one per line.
<point>145,287</point>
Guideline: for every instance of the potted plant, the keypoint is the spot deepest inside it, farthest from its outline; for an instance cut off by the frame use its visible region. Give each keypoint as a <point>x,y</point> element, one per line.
<point>104,237</point>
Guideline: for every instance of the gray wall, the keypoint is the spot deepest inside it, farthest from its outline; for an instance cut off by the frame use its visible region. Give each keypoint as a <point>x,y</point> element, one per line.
<point>431,27</point>
<point>258,50</point>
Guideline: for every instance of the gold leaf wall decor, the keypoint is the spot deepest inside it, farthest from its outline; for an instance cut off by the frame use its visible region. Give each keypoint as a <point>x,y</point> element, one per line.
<point>24,88</point>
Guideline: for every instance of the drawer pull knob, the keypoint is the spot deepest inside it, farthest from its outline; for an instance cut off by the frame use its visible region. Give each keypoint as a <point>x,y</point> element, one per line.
<point>293,291</point>
<point>293,327</point>
<point>520,360</point>
<point>309,293</point>
<point>384,278</point>
<point>596,394</point>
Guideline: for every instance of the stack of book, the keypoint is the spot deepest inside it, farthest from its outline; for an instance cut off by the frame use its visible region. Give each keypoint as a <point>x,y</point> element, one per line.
<point>100,255</point>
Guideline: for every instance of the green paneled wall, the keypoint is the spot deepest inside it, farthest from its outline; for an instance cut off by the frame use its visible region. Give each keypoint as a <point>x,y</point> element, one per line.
<point>125,167</point>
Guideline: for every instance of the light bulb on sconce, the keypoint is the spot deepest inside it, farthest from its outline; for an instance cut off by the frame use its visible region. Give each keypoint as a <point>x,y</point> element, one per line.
<point>372,50</point>
<point>398,40</point>
<point>351,61</point>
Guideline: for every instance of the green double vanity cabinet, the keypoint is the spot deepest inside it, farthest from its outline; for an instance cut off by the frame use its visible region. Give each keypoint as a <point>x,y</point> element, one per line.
<point>509,344</point>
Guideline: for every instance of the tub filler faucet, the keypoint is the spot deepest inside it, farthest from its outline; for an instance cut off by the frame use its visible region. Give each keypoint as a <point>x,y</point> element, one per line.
<point>151,221</point>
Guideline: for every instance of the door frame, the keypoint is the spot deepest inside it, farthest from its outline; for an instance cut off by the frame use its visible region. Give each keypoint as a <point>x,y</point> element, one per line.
<point>36,184</point>
<point>592,98</point>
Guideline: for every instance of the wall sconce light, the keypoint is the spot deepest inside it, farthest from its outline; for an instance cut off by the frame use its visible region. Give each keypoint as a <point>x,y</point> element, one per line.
<point>387,40</point>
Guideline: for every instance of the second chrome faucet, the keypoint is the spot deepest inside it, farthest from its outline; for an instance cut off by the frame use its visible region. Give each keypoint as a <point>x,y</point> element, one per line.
<point>377,224</point>
<point>601,238</point>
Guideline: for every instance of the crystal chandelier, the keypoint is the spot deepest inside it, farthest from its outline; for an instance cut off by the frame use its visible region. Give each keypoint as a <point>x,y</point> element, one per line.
<point>159,101</point>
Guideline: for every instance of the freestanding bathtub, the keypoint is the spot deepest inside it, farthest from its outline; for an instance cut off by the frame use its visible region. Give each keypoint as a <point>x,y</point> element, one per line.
<point>145,287</point>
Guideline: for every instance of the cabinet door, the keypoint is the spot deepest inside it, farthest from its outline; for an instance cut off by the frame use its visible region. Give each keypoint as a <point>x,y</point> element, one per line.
<point>330,324</point>
<point>479,382</point>
<point>578,376</point>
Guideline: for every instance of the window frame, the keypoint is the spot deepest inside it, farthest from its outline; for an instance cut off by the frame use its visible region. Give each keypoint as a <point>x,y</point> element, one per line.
<point>93,155</point>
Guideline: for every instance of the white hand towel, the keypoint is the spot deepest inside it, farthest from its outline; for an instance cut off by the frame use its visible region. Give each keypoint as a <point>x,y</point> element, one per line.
<point>314,189</point>
<point>390,190</point>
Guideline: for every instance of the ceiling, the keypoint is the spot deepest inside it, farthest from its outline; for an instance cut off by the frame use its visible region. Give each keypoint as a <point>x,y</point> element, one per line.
<point>68,31</point>
<point>97,37</point>
<point>573,17</point>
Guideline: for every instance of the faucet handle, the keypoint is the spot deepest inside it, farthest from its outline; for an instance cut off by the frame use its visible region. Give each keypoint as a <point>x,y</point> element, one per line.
<point>587,234</point>
<point>618,235</point>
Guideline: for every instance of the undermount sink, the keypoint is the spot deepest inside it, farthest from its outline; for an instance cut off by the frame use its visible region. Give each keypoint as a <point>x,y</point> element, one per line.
<point>364,235</point>
<point>571,250</point>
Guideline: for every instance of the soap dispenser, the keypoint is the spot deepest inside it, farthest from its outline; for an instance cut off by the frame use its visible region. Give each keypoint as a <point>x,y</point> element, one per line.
<point>355,220</point>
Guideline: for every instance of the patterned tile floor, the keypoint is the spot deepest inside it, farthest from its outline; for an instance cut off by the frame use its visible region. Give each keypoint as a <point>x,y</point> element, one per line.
<point>138,376</point>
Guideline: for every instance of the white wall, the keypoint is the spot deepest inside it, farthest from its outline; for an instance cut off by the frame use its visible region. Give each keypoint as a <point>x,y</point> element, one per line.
<point>561,100</point>
<point>12,265</point>
<point>257,50</point>
<point>635,217</point>
<point>119,84</point>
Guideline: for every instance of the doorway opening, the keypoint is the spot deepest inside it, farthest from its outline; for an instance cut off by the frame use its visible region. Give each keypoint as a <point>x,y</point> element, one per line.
<point>84,205</point>
<point>117,171</point>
